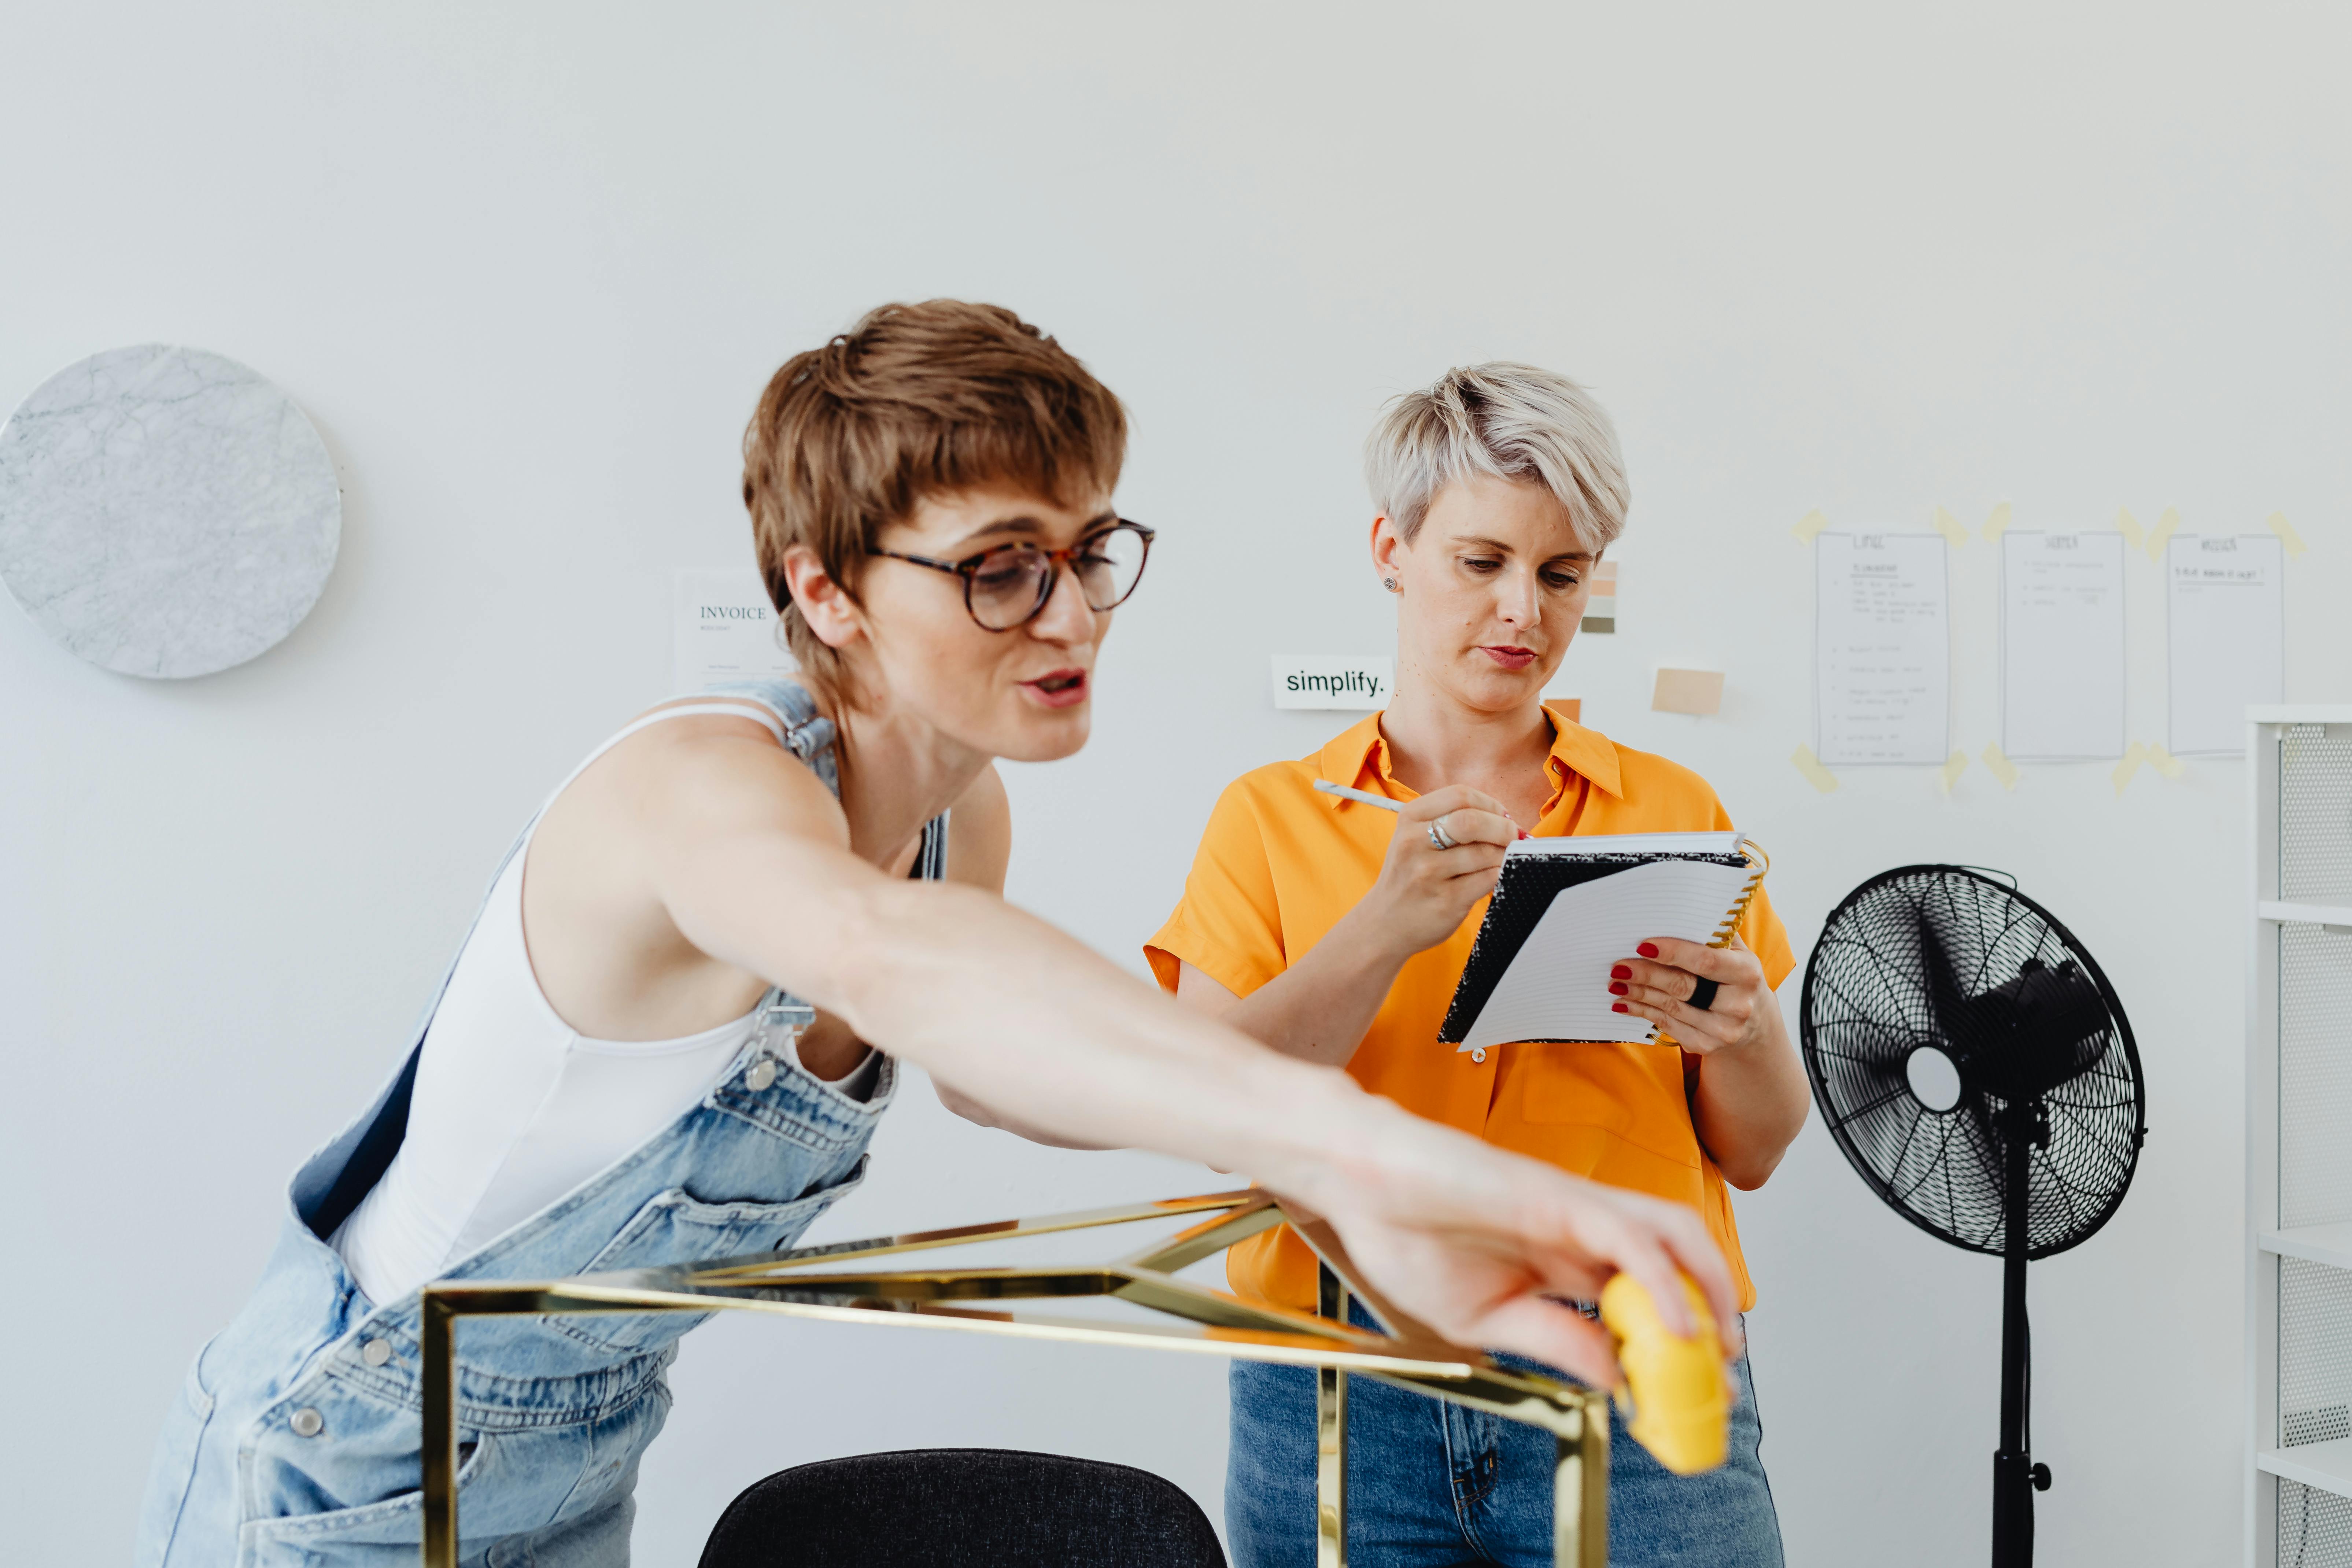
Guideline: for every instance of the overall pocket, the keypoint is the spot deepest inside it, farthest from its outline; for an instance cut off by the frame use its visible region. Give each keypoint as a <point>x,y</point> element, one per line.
<point>677,1227</point>
<point>387,1531</point>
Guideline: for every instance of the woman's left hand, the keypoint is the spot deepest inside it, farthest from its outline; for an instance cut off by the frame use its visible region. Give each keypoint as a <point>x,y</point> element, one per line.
<point>1660,984</point>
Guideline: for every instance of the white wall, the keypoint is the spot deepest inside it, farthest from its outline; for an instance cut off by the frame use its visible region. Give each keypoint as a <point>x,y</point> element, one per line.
<point>527,267</point>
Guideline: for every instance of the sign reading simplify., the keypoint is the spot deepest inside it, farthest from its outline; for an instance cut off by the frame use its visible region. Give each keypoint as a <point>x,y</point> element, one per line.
<point>1329,680</point>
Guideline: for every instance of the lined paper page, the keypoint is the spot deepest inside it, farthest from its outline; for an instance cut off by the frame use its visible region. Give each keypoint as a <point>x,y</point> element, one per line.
<point>1556,988</point>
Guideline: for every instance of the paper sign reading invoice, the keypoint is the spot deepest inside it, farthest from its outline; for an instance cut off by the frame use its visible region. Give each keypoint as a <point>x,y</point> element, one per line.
<point>723,628</point>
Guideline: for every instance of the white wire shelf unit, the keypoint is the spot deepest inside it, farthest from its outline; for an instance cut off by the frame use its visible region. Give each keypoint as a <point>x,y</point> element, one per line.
<point>2299,1141</point>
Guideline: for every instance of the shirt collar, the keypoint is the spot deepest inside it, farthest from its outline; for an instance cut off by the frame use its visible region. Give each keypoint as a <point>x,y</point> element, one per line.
<point>1359,751</point>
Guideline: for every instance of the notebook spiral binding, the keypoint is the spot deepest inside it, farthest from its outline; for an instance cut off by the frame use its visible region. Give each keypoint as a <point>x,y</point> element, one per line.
<point>1762,863</point>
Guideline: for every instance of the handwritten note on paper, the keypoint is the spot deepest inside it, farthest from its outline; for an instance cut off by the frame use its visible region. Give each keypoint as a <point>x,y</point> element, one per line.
<point>2225,636</point>
<point>1882,648</point>
<point>2062,646</point>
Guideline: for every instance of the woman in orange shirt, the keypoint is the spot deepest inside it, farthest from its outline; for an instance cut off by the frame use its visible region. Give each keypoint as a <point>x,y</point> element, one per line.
<point>1336,932</point>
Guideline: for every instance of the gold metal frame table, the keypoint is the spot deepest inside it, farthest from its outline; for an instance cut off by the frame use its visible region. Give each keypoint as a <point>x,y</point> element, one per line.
<point>833,1283</point>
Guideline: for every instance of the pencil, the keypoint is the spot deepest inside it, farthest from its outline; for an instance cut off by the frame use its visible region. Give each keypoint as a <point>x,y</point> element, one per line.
<point>1344,793</point>
<point>1384,801</point>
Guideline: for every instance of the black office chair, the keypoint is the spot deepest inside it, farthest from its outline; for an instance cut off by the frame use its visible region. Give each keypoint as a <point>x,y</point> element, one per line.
<point>962,1508</point>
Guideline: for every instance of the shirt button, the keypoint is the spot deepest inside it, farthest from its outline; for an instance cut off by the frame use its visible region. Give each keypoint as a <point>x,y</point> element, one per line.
<point>763,1074</point>
<point>307,1423</point>
<point>1479,1055</point>
<point>375,1352</point>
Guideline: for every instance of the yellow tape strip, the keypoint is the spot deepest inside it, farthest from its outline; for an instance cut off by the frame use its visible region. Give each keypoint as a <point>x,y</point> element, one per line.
<point>1950,527</point>
<point>1949,773</point>
<point>1810,524</point>
<point>2165,763</point>
<point>1820,777</point>
<point>1997,763</point>
<point>2128,526</point>
<point>2134,754</point>
<point>2166,527</point>
<point>1998,523</point>
<point>2277,523</point>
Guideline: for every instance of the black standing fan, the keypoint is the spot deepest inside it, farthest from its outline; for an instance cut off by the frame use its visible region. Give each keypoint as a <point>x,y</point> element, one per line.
<point>1978,1070</point>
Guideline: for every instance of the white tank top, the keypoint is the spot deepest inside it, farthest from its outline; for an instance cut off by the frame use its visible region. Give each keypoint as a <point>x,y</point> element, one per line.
<point>512,1107</point>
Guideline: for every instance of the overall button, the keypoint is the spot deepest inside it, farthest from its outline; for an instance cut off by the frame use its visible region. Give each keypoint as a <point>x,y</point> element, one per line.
<point>763,1074</point>
<point>307,1423</point>
<point>1479,1055</point>
<point>375,1352</point>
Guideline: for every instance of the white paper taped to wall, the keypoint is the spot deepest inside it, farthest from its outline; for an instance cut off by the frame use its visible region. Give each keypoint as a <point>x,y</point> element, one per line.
<point>2224,637</point>
<point>723,628</point>
<point>1332,680</point>
<point>1882,649</point>
<point>2062,646</point>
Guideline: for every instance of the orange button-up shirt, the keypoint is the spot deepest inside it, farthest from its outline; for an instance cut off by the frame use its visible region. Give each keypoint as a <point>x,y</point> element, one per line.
<point>1280,864</point>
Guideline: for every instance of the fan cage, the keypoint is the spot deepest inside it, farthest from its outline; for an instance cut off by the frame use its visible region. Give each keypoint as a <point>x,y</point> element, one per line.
<point>1867,1006</point>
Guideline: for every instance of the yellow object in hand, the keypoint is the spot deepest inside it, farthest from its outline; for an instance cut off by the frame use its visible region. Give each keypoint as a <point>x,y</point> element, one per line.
<point>1681,1399</point>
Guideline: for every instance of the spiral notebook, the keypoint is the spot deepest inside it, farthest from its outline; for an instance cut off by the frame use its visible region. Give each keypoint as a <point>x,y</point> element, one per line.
<point>1567,909</point>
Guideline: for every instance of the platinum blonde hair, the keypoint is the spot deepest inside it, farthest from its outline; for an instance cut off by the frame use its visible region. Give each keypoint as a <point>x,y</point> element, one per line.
<point>1508,421</point>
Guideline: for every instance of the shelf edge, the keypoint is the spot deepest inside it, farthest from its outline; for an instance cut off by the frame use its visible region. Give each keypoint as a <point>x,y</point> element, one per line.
<point>2333,1474</point>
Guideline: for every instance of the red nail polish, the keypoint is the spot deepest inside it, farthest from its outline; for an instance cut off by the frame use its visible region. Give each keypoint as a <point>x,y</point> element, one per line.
<point>1619,988</point>
<point>1616,1007</point>
<point>1621,973</point>
<point>1648,949</point>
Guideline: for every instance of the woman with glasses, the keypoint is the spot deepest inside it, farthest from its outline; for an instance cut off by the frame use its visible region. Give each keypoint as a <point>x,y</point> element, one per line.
<point>662,1040</point>
<point>1336,933</point>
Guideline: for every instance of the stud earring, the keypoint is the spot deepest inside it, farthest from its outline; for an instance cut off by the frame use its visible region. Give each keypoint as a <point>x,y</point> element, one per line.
<point>1390,584</point>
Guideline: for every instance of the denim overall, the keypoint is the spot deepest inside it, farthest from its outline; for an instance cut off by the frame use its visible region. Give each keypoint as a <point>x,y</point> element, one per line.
<point>296,1439</point>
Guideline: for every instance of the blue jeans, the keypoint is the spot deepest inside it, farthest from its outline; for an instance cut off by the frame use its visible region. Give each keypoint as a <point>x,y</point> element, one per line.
<point>1436,1485</point>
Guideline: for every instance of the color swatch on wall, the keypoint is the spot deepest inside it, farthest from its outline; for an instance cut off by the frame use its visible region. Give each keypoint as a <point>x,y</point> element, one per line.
<point>1698,692</point>
<point>1600,609</point>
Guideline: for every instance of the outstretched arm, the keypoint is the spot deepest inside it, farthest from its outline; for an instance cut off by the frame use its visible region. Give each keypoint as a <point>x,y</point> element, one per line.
<point>749,857</point>
<point>979,846</point>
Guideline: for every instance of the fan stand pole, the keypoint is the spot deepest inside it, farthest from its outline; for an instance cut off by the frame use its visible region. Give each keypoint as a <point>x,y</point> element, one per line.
<point>2012,1467</point>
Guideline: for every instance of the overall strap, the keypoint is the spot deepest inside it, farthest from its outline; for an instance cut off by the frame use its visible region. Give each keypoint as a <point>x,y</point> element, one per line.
<point>807,734</point>
<point>931,860</point>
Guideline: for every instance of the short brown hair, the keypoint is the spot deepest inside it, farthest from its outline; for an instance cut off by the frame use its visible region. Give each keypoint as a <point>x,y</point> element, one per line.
<point>913,401</point>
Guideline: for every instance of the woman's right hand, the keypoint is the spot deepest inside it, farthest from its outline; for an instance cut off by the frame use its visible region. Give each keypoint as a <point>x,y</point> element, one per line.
<point>1423,892</point>
<point>1482,1244</point>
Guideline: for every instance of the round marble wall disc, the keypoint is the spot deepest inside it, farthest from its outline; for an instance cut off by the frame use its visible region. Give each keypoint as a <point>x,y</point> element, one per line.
<point>164,512</point>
